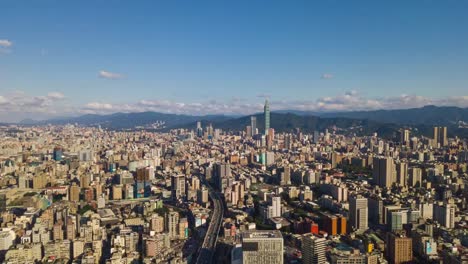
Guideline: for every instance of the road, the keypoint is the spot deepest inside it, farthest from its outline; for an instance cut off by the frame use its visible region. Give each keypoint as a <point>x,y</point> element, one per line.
<point>208,248</point>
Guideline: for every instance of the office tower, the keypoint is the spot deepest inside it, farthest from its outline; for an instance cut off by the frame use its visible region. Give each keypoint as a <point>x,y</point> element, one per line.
<point>396,219</point>
<point>221,174</point>
<point>142,187</point>
<point>57,154</point>
<point>415,176</point>
<point>202,196</point>
<point>172,222</point>
<point>58,233</point>
<point>288,139</point>
<point>358,213</point>
<point>262,247</point>
<point>402,173</point>
<point>285,175</point>
<point>444,214</point>
<point>316,137</point>
<point>266,111</point>
<point>439,137</point>
<point>400,248</point>
<point>376,206</point>
<point>199,129</point>
<point>195,183</point>
<point>71,227</point>
<point>313,249</point>
<point>248,131</point>
<point>274,209</point>
<point>383,171</point>
<point>330,224</point>
<point>404,136</point>
<point>253,124</point>
<point>178,187</point>
<point>86,155</point>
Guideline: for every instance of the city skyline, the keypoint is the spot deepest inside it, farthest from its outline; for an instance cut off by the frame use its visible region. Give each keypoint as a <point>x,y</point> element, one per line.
<point>63,59</point>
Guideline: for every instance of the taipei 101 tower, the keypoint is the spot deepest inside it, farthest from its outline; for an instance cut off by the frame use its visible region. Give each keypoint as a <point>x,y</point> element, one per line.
<point>266,111</point>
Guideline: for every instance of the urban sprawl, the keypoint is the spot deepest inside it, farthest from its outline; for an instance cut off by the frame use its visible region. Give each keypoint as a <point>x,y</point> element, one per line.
<point>73,194</point>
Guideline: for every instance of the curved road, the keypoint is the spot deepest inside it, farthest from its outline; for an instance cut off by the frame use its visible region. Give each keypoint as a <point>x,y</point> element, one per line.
<point>208,248</point>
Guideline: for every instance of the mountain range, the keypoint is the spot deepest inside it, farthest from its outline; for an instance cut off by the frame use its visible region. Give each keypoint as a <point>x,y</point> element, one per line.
<point>384,122</point>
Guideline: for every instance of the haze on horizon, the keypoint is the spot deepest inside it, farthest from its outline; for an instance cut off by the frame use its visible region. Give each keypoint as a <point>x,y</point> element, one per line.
<point>70,58</point>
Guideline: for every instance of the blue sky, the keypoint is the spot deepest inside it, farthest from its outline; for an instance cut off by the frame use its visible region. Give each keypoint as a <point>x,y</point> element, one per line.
<point>68,58</point>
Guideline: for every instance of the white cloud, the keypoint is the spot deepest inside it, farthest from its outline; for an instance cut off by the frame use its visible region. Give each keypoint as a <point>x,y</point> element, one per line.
<point>5,43</point>
<point>110,75</point>
<point>18,102</point>
<point>18,105</point>
<point>56,95</point>
<point>327,76</point>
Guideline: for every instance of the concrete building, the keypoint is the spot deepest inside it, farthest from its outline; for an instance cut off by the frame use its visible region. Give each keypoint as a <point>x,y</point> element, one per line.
<point>313,249</point>
<point>262,247</point>
<point>358,213</point>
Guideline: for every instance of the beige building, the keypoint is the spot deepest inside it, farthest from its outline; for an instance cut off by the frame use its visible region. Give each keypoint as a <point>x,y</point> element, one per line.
<point>400,248</point>
<point>25,253</point>
<point>262,247</point>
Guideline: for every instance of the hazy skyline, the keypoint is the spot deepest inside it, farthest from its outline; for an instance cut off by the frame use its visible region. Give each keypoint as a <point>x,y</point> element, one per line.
<point>211,57</point>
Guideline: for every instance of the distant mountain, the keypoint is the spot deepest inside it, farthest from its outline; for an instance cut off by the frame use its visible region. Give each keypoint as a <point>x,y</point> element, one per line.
<point>384,122</point>
<point>427,115</point>
<point>127,120</point>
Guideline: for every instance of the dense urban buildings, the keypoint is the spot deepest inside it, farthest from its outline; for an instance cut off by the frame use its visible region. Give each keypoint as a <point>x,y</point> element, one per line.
<point>78,194</point>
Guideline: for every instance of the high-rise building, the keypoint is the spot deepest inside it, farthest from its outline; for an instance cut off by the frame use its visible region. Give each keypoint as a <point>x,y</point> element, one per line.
<point>284,175</point>
<point>221,174</point>
<point>199,129</point>
<point>400,248</point>
<point>57,154</point>
<point>384,173</point>
<point>262,247</point>
<point>439,137</point>
<point>253,124</point>
<point>313,249</point>
<point>172,223</point>
<point>444,214</point>
<point>376,206</point>
<point>266,111</point>
<point>415,176</point>
<point>402,173</point>
<point>202,196</point>
<point>274,209</point>
<point>74,193</point>
<point>178,187</point>
<point>404,136</point>
<point>157,223</point>
<point>358,213</point>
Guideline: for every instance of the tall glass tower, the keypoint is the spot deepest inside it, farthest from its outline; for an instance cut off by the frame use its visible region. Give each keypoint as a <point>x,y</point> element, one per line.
<point>266,111</point>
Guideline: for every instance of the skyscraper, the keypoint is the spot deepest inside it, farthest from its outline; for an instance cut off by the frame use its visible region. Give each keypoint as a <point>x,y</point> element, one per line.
<point>221,174</point>
<point>262,247</point>
<point>358,213</point>
<point>253,124</point>
<point>266,111</point>
<point>440,137</point>
<point>178,187</point>
<point>384,173</point>
<point>313,249</point>
<point>172,221</point>
<point>199,129</point>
